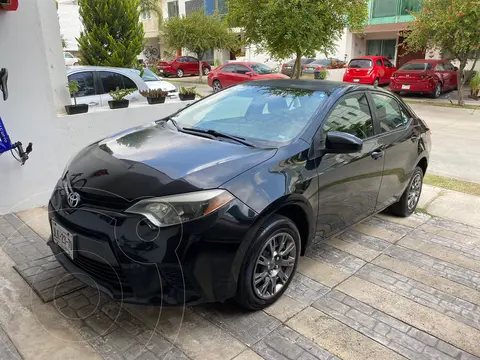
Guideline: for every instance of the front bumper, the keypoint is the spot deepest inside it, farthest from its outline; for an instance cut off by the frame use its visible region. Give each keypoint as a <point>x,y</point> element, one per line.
<point>123,257</point>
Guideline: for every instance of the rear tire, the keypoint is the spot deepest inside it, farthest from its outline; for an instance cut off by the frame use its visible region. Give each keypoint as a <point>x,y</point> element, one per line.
<point>376,82</point>
<point>409,200</point>
<point>437,92</point>
<point>206,71</point>
<point>216,86</point>
<point>180,73</point>
<point>269,263</point>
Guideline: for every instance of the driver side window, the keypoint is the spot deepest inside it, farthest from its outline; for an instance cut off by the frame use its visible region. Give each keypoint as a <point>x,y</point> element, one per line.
<point>351,115</point>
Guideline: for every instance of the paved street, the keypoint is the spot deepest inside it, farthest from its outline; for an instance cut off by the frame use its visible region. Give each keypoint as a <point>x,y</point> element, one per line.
<point>390,288</point>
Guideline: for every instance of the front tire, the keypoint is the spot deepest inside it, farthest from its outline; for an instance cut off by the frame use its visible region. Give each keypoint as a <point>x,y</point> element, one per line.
<point>269,264</point>
<point>409,200</point>
<point>376,82</point>
<point>206,71</point>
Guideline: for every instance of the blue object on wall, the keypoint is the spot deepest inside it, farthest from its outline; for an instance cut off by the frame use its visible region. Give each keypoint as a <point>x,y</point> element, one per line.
<point>209,6</point>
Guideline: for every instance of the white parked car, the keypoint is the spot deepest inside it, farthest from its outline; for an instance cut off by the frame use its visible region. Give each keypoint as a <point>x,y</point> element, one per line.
<point>70,60</point>
<point>95,83</point>
<point>155,82</point>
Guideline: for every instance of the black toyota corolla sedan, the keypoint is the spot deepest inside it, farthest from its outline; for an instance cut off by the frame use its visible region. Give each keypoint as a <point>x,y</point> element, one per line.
<point>221,199</point>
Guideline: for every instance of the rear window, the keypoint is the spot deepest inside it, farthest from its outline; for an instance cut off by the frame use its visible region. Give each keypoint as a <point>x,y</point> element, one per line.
<point>360,63</point>
<point>323,62</point>
<point>417,66</point>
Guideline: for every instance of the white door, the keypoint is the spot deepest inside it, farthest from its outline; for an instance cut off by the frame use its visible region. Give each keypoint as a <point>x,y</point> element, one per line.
<point>86,88</point>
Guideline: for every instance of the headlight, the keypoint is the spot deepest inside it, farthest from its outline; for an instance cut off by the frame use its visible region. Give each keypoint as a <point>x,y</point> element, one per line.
<point>177,209</point>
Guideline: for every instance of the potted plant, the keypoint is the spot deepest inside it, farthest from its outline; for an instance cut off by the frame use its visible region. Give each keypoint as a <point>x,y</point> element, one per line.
<point>475,86</point>
<point>76,108</point>
<point>156,96</point>
<point>118,97</point>
<point>320,74</point>
<point>187,93</point>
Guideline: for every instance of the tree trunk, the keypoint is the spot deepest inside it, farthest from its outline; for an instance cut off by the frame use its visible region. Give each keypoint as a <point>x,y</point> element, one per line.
<point>298,65</point>
<point>461,81</point>
<point>200,70</point>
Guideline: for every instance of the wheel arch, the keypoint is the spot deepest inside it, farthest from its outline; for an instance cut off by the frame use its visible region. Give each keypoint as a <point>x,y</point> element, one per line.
<point>423,164</point>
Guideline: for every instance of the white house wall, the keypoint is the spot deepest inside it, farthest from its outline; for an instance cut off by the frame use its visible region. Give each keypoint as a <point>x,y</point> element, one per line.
<point>70,24</point>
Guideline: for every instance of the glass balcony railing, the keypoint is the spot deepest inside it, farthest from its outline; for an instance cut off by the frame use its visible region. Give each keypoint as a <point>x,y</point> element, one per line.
<point>392,11</point>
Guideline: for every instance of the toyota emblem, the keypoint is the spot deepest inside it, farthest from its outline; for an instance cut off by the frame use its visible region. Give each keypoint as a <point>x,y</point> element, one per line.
<point>73,199</point>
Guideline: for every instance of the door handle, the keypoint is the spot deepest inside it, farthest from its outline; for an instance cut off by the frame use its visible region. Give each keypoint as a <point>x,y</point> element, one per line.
<point>377,154</point>
<point>93,103</point>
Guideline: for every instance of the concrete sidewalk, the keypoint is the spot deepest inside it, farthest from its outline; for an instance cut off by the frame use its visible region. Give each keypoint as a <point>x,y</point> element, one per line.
<point>390,288</point>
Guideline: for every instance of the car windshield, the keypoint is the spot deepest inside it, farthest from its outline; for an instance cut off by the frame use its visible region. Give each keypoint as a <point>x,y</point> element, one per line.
<point>148,75</point>
<point>360,63</point>
<point>417,66</point>
<point>261,69</point>
<point>268,115</point>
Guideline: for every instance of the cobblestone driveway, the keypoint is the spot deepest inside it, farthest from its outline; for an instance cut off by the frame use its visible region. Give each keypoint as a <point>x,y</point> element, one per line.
<point>388,289</point>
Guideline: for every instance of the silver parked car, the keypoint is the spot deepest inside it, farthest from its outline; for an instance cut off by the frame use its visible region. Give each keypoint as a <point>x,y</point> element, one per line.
<point>95,83</point>
<point>319,64</point>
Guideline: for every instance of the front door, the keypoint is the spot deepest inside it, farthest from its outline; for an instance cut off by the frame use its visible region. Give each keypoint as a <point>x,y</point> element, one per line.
<point>399,137</point>
<point>191,66</point>
<point>349,183</point>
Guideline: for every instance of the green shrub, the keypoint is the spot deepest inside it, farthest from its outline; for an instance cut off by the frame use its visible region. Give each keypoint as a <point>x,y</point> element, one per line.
<point>322,74</point>
<point>120,94</point>
<point>157,93</point>
<point>475,84</point>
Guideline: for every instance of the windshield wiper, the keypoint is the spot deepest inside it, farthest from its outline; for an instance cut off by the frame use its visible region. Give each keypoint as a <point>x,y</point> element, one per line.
<point>217,134</point>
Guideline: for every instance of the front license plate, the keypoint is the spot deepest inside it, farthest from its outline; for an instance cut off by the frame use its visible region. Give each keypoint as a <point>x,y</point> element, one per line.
<point>63,238</point>
<point>405,87</point>
<point>356,80</point>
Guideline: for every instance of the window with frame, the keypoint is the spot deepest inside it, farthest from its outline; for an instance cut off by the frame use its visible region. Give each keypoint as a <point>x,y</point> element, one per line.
<point>241,69</point>
<point>191,59</point>
<point>146,15</point>
<point>449,67</point>
<point>86,83</point>
<point>228,69</point>
<point>351,115</point>
<point>379,62</point>
<point>389,113</point>
<point>67,56</point>
<point>129,83</point>
<point>172,9</point>
<point>111,81</point>
<point>388,63</point>
<point>440,67</point>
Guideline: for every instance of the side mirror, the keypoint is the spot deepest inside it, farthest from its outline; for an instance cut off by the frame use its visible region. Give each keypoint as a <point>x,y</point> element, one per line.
<point>249,73</point>
<point>342,143</point>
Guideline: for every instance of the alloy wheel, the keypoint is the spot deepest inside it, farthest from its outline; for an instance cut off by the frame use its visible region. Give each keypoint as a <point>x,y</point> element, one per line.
<point>414,191</point>
<point>179,73</point>
<point>438,90</point>
<point>206,71</point>
<point>217,86</point>
<point>274,265</point>
<point>376,82</point>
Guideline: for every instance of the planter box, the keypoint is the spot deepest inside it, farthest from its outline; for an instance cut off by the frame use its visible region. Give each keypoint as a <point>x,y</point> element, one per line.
<point>118,104</point>
<point>185,97</point>
<point>76,109</point>
<point>153,101</point>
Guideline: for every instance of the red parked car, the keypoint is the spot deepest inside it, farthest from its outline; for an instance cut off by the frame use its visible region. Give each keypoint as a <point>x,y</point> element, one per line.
<point>234,73</point>
<point>371,70</point>
<point>182,65</point>
<point>425,76</point>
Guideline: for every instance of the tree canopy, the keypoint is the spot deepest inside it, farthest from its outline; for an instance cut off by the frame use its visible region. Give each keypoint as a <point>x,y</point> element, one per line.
<point>452,26</point>
<point>198,33</point>
<point>296,27</point>
<point>112,32</point>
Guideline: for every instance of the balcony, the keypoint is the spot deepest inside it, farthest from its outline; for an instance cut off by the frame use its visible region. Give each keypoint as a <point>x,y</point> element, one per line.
<point>392,11</point>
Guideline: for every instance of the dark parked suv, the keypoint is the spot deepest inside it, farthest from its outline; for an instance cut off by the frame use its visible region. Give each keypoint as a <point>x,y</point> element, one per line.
<point>221,199</point>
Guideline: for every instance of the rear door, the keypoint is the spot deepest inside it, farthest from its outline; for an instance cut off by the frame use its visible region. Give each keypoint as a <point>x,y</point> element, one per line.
<point>227,75</point>
<point>349,183</point>
<point>110,81</point>
<point>443,74</point>
<point>452,74</point>
<point>87,91</point>
<point>398,137</point>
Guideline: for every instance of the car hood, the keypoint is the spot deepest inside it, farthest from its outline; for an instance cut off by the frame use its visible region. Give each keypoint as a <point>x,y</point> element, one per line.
<point>157,160</point>
<point>162,85</point>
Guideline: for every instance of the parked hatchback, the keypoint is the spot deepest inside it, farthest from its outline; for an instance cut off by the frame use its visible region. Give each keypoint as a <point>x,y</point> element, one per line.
<point>237,72</point>
<point>320,64</point>
<point>430,77</point>
<point>95,83</point>
<point>221,199</point>
<point>372,70</point>
<point>183,65</point>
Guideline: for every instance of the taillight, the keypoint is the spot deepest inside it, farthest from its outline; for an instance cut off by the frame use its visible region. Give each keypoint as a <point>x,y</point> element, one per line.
<point>304,66</point>
<point>319,68</point>
<point>284,66</point>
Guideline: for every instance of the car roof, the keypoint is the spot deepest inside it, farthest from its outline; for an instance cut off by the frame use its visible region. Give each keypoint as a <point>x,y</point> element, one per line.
<point>427,61</point>
<point>101,68</point>
<point>314,85</point>
<point>369,57</point>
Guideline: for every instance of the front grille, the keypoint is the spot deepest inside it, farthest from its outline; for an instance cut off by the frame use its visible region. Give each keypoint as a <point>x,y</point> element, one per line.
<point>112,275</point>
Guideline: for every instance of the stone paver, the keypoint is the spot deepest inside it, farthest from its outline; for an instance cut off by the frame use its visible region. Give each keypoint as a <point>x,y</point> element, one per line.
<point>389,288</point>
<point>8,351</point>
